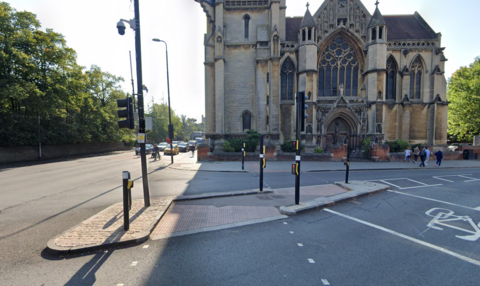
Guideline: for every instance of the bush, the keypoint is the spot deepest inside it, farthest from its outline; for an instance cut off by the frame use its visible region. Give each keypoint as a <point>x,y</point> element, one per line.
<point>318,151</point>
<point>288,147</point>
<point>236,144</point>
<point>253,139</point>
<point>366,147</point>
<point>398,145</point>
<point>227,147</point>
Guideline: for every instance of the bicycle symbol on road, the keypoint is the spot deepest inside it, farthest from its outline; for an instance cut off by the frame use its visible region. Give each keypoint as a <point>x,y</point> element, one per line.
<point>443,217</point>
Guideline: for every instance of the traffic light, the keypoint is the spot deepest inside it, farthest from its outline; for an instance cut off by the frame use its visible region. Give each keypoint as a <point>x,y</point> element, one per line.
<point>294,145</point>
<point>302,107</point>
<point>126,113</point>
<point>168,140</point>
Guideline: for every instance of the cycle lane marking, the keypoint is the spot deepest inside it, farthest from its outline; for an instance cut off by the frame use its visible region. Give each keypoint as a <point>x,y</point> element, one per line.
<point>418,241</point>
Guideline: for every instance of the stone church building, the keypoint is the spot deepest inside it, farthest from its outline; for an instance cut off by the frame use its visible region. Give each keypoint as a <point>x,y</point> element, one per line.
<point>366,75</point>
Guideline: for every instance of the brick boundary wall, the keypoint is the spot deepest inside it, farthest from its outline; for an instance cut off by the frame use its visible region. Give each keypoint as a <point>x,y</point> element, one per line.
<point>30,153</point>
<point>378,153</point>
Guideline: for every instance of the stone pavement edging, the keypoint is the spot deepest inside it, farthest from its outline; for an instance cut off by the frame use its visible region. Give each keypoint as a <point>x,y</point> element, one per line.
<point>219,227</point>
<point>354,189</point>
<point>105,229</point>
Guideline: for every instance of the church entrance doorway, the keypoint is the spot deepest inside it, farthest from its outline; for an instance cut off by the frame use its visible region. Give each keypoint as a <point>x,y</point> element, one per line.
<point>339,132</point>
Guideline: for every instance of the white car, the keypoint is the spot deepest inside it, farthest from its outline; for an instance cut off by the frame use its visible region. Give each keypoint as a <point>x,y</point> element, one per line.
<point>453,147</point>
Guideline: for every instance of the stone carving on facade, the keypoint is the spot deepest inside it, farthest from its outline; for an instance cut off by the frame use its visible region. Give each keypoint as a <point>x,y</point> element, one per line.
<point>342,6</point>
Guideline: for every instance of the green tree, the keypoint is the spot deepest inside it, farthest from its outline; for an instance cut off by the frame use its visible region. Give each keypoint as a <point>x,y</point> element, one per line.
<point>464,97</point>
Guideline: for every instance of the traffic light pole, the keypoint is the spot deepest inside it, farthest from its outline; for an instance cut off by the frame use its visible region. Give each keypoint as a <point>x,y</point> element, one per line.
<point>297,146</point>
<point>262,162</point>
<point>141,112</point>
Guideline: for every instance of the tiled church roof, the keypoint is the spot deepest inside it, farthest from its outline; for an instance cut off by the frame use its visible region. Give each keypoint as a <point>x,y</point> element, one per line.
<point>405,27</point>
<point>292,26</point>
<point>408,27</point>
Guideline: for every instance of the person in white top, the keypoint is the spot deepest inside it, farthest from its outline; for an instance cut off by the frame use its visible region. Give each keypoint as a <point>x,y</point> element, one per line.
<point>407,155</point>
<point>428,155</point>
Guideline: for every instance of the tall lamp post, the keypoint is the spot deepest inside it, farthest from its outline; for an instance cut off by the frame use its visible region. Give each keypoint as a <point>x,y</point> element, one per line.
<point>170,126</point>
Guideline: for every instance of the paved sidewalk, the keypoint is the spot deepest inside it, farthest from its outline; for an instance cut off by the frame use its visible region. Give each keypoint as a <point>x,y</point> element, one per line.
<point>184,215</point>
<point>284,166</point>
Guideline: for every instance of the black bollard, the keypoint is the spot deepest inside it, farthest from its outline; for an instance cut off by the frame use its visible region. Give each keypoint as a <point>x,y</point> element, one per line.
<point>262,161</point>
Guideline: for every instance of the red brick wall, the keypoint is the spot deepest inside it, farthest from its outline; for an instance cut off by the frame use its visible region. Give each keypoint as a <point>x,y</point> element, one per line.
<point>379,152</point>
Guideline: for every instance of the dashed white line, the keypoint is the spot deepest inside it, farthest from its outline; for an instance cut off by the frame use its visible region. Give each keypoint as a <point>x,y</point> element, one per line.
<point>434,200</point>
<point>438,178</point>
<point>311,260</point>
<point>300,244</point>
<point>285,222</point>
<point>438,248</point>
<point>134,263</point>
<point>416,187</point>
<point>291,232</point>
<point>325,282</point>
<point>145,246</point>
<point>417,182</point>
<point>383,181</point>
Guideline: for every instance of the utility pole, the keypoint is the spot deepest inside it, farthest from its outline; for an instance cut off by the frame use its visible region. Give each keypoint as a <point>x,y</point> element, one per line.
<point>141,112</point>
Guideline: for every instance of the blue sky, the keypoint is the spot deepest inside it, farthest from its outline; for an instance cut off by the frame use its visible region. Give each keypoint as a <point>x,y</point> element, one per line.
<point>89,27</point>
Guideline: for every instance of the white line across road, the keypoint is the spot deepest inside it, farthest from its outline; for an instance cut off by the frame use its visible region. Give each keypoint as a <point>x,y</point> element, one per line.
<point>438,178</point>
<point>435,247</point>
<point>433,200</point>
<point>423,185</point>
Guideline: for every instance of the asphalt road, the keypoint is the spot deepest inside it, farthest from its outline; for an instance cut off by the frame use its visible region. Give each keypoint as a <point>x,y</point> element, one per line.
<point>422,232</point>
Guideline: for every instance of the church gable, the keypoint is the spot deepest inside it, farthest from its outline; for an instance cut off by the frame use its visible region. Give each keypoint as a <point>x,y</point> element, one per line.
<point>350,14</point>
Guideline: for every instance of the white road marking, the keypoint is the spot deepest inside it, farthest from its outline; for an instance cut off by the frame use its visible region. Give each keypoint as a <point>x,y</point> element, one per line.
<point>291,232</point>
<point>134,263</point>
<point>416,187</point>
<point>438,178</point>
<point>433,200</point>
<point>383,181</point>
<point>417,182</point>
<point>472,180</point>
<point>443,217</point>
<point>446,251</point>
<point>145,246</point>
<point>325,282</point>
<point>300,244</point>
<point>285,222</point>
<point>311,260</point>
<point>466,177</point>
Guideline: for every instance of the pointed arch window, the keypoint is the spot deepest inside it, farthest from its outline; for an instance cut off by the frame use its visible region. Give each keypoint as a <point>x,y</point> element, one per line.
<point>246,20</point>
<point>338,70</point>
<point>416,78</point>
<point>246,121</point>
<point>287,79</point>
<point>391,79</point>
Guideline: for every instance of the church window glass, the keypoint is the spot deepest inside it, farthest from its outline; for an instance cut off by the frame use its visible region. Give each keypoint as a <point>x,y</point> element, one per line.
<point>246,20</point>
<point>338,70</point>
<point>287,80</point>
<point>416,78</point>
<point>391,78</point>
<point>247,119</point>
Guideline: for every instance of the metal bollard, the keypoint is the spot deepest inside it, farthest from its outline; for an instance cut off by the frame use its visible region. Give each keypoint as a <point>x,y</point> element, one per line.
<point>348,170</point>
<point>127,199</point>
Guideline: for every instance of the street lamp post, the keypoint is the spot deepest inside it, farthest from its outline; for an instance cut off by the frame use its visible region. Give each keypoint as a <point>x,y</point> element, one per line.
<point>170,126</point>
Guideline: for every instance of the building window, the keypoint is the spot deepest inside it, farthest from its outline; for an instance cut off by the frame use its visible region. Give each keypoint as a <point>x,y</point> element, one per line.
<point>416,78</point>
<point>374,34</point>
<point>246,20</point>
<point>391,79</point>
<point>303,35</point>
<point>309,34</point>
<point>268,77</point>
<point>268,119</point>
<point>338,70</point>
<point>287,79</point>
<point>247,121</point>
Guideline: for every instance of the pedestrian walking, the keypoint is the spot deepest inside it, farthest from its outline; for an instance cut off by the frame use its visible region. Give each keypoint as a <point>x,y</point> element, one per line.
<point>192,148</point>
<point>416,151</point>
<point>156,152</point>
<point>423,155</point>
<point>439,155</point>
<point>427,156</point>
<point>407,155</point>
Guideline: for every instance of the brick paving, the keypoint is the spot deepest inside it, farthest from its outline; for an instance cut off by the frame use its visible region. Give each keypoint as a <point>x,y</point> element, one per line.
<point>106,227</point>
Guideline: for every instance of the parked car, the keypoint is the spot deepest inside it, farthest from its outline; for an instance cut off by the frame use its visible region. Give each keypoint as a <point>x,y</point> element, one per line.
<point>453,147</point>
<point>175,142</point>
<point>148,149</point>
<point>168,150</point>
<point>183,147</point>
<point>161,146</point>
<point>193,143</point>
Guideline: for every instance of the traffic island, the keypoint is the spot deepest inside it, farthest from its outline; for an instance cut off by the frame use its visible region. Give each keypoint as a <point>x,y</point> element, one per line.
<point>353,190</point>
<point>106,229</point>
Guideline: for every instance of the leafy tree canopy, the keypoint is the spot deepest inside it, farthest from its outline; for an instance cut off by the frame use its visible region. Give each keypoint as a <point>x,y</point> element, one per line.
<point>464,97</point>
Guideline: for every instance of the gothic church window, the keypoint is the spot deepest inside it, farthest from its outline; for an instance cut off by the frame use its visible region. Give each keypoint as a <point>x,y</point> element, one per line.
<point>374,34</point>
<point>287,80</point>
<point>247,121</point>
<point>246,20</point>
<point>391,79</point>
<point>338,70</point>
<point>416,78</point>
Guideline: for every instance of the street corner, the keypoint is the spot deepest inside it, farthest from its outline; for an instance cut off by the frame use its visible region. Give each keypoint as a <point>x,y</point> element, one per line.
<point>106,229</point>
